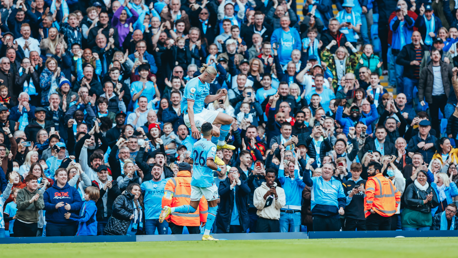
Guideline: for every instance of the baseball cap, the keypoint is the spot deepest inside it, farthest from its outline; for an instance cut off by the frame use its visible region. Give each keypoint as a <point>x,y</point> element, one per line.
<point>182,146</point>
<point>184,166</point>
<point>153,125</point>
<point>245,61</point>
<point>39,109</point>
<point>313,57</point>
<point>97,4</point>
<point>121,113</point>
<point>354,108</point>
<point>222,59</point>
<point>428,7</point>
<point>61,145</point>
<point>102,167</point>
<point>398,8</point>
<point>3,108</point>
<point>438,40</point>
<point>424,123</point>
<point>317,65</point>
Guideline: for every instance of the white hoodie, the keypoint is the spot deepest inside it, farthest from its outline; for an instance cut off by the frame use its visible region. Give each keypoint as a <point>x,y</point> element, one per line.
<point>273,211</point>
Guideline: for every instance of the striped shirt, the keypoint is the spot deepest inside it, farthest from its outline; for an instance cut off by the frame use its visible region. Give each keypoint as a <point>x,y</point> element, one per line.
<point>418,58</point>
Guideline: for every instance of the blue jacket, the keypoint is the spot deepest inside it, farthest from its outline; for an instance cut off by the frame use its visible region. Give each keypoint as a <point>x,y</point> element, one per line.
<point>169,115</point>
<point>427,154</point>
<point>54,195</point>
<point>450,191</point>
<point>149,58</point>
<point>406,31</point>
<point>3,181</point>
<point>421,25</point>
<point>347,122</point>
<point>293,188</point>
<point>272,126</point>
<point>87,219</point>
<point>327,196</point>
<point>15,114</point>
<point>325,9</point>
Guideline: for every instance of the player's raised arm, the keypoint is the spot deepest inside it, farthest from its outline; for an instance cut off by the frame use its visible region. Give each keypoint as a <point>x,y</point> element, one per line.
<point>195,132</point>
<point>211,98</point>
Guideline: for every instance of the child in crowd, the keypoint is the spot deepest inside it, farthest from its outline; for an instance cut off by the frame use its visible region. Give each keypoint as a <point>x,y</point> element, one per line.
<point>311,44</point>
<point>245,113</point>
<point>3,197</point>
<point>87,218</point>
<point>170,137</point>
<point>10,211</point>
<point>5,98</point>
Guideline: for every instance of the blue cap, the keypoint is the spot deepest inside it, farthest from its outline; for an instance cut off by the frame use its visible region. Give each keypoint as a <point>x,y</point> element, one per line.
<point>428,7</point>
<point>61,145</point>
<point>313,57</point>
<point>425,123</point>
<point>348,3</point>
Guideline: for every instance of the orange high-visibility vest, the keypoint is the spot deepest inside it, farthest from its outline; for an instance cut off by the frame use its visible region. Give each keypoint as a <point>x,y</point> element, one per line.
<point>381,196</point>
<point>177,192</point>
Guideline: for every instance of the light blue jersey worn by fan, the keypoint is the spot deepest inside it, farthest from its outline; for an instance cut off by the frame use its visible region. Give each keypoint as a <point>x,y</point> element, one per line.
<point>202,175</point>
<point>195,90</point>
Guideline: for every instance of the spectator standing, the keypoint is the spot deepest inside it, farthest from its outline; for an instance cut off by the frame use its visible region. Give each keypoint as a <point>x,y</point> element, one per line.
<point>60,199</point>
<point>434,86</point>
<point>382,199</point>
<point>269,199</point>
<point>177,192</point>
<point>329,199</point>
<point>293,185</point>
<point>355,191</point>
<point>420,199</point>
<point>233,208</point>
<point>410,57</point>
<point>153,190</point>
<point>29,202</point>
<point>428,24</point>
<point>87,218</point>
<point>127,217</point>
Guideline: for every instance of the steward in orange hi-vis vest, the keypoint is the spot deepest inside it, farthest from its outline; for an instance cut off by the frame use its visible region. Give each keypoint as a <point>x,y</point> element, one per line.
<point>381,196</point>
<point>177,192</point>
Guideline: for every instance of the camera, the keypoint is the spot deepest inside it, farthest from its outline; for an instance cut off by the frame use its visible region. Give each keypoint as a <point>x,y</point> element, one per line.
<point>221,101</point>
<point>27,144</point>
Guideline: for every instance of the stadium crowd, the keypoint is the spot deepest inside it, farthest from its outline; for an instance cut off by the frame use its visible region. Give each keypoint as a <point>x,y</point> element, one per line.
<point>93,139</point>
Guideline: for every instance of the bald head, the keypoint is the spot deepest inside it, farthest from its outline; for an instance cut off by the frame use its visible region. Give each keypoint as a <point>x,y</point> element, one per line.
<point>416,38</point>
<point>137,35</point>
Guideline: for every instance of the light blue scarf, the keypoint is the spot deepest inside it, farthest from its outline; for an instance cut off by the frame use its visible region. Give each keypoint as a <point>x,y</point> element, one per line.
<point>313,49</point>
<point>138,25</point>
<point>379,148</point>
<point>28,86</point>
<point>401,34</point>
<point>317,145</point>
<point>444,223</point>
<point>24,119</point>
<point>64,6</point>
<point>430,27</point>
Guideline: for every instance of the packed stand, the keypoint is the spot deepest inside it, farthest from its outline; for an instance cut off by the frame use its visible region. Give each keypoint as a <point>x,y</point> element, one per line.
<point>103,104</point>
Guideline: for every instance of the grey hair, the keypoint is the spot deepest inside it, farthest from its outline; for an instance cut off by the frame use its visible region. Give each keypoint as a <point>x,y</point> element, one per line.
<point>191,66</point>
<point>22,94</point>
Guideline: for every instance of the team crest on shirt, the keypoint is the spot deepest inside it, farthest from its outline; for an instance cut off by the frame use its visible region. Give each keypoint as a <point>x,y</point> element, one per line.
<point>213,148</point>
<point>193,90</point>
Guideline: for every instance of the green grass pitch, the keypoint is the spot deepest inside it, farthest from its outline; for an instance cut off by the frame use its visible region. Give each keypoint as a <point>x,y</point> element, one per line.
<point>332,248</point>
